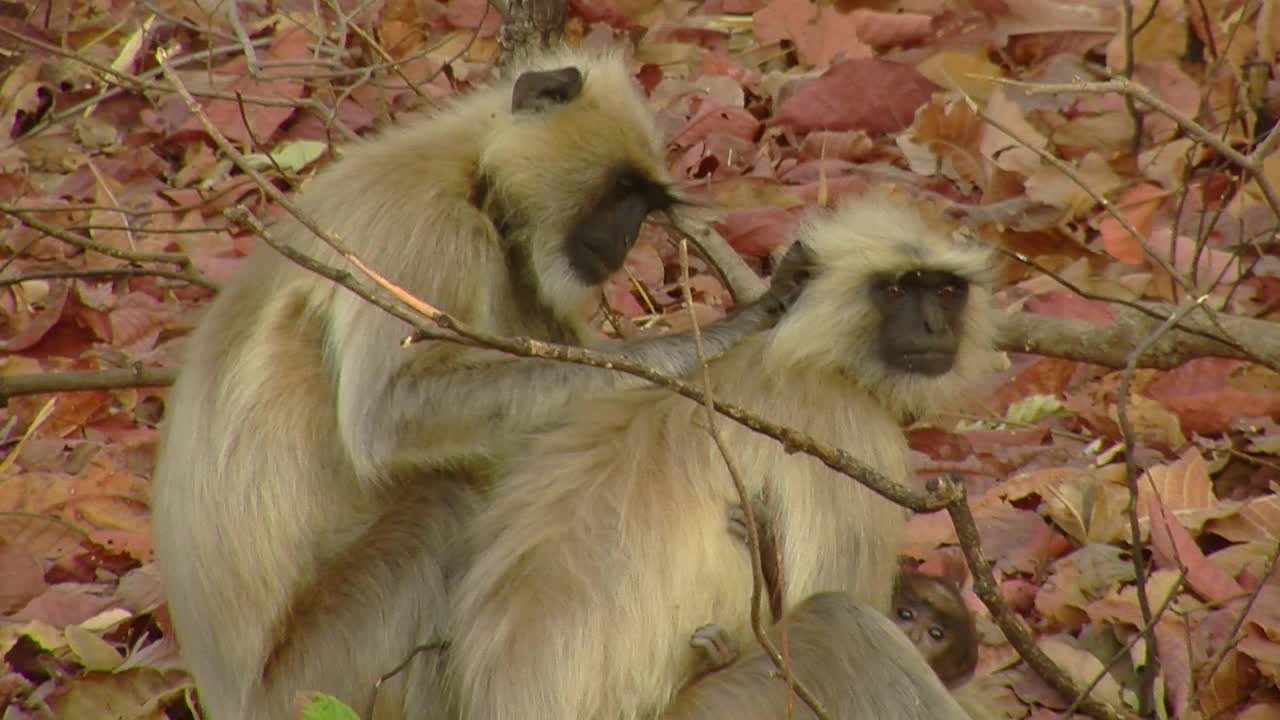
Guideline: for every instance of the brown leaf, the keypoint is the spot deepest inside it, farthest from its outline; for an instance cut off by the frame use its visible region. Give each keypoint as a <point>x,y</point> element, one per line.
<point>21,577</point>
<point>944,140</point>
<point>757,231</point>
<point>1200,391</point>
<point>1258,519</point>
<point>128,694</point>
<point>25,324</point>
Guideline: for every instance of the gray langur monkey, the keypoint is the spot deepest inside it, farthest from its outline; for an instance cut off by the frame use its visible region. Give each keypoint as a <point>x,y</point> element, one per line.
<point>604,546</point>
<point>847,653</point>
<point>313,476</point>
<point>850,657</point>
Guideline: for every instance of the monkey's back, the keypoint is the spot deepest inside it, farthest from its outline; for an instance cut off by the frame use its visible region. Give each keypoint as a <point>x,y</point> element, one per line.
<point>255,486</point>
<point>607,543</point>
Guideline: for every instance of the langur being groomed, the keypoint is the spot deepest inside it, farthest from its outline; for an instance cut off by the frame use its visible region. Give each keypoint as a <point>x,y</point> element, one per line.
<point>313,476</point>
<point>605,546</point>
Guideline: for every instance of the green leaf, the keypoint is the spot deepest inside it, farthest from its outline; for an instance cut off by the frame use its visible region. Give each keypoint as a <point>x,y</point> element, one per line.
<point>326,707</point>
<point>1030,409</point>
<point>289,156</point>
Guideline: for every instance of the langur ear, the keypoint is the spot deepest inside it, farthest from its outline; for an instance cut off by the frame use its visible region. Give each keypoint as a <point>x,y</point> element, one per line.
<point>538,90</point>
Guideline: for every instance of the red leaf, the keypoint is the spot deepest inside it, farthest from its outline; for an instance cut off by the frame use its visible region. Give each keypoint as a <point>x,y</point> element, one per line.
<point>1207,394</point>
<point>874,95</point>
<point>1138,205</point>
<point>756,231</point>
<point>714,117</point>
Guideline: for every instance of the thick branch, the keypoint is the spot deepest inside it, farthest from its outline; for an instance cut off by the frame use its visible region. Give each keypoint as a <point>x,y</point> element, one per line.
<point>528,25</point>
<point>1105,345</point>
<point>1110,345</point>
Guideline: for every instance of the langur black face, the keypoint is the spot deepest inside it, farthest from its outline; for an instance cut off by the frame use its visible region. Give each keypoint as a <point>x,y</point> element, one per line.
<point>933,616</point>
<point>600,237</point>
<point>921,313</point>
<point>599,241</point>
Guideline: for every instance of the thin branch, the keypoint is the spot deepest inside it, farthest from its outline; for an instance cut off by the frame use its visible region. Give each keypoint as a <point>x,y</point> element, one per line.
<point>81,380</point>
<point>1150,669</point>
<point>1129,88</point>
<point>102,274</point>
<point>444,327</point>
<point>758,606</point>
<point>186,268</point>
<point>1221,654</point>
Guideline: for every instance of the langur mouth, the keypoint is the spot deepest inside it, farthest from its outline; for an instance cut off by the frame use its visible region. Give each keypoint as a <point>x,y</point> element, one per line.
<point>591,268</point>
<point>929,364</point>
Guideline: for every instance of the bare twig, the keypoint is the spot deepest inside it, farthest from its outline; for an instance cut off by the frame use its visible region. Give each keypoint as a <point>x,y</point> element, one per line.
<point>186,269</point>
<point>1150,668</point>
<point>1234,635</point>
<point>759,607</point>
<point>1253,162</point>
<point>80,380</point>
<point>101,274</point>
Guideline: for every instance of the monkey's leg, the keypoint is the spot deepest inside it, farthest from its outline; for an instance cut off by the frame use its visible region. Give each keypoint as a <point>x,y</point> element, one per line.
<point>587,583</point>
<point>374,604</point>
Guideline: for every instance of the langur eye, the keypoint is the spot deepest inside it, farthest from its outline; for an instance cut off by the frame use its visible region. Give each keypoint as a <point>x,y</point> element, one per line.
<point>950,293</point>
<point>906,614</point>
<point>892,292</point>
<point>936,633</point>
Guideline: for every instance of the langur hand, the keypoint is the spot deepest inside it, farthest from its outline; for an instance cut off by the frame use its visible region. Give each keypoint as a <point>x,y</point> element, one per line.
<point>716,649</point>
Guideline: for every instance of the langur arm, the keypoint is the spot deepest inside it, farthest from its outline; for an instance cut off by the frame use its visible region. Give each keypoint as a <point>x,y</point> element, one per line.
<point>453,411</point>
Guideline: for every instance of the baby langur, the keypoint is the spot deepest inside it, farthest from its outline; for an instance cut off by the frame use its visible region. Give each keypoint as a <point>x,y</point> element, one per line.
<point>313,476</point>
<point>931,611</point>
<point>604,546</point>
<point>847,653</point>
<point>828,638</point>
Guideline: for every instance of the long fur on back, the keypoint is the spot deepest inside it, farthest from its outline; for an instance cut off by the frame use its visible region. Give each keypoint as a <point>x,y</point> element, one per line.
<point>291,424</point>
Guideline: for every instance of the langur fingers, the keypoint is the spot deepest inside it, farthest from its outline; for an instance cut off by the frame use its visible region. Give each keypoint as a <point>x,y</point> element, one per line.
<point>738,526</point>
<point>717,649</point>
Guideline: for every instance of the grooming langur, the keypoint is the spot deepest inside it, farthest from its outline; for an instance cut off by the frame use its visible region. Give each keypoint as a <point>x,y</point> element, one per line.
<point>847,653</point>
<point>604,546</point>
<point>313,475</point>
<point>932,613</point>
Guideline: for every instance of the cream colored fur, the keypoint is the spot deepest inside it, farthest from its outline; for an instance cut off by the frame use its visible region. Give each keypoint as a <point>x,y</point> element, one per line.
<point>605,545</point>
<point>313,475</point>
